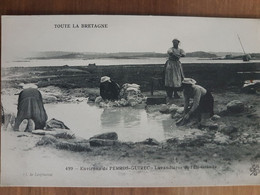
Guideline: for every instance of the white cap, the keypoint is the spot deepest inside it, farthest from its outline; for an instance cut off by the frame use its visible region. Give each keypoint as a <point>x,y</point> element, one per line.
<point>104,79</point>
<point>29,85</point>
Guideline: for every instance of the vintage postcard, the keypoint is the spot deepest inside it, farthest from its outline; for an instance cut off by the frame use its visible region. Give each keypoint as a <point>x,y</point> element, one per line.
<point>130,101</point>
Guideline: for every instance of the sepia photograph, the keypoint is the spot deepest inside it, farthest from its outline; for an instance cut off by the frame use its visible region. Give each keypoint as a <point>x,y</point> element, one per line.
<point>129,101</point>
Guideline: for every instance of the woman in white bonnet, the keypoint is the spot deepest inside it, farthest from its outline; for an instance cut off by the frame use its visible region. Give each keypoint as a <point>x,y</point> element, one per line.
<point>203,100</point>
<point>173,72</point>
<point>109,90</point>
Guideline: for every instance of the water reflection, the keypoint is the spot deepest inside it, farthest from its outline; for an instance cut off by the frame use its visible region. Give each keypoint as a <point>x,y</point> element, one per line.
<point>129,123</point>
<point>110,117</point>
<point>120,117</point>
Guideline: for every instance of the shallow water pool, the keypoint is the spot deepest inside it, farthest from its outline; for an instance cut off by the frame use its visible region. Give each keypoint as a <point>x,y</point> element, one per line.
<point>129,123</point>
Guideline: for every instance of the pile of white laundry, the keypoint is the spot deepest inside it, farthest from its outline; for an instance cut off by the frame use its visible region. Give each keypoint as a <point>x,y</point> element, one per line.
<point>130,95</point>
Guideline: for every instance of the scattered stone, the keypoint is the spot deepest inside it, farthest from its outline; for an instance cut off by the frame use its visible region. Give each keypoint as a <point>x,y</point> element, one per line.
<point>189,142</point>
<point>123,102</point>
<point>228,130</point>
<point>22,135</point>
<point>246,135</point>
<point>213,126</point>
<point>198,141</point>
<point>49,98</point>
<point>64,134</point>
<point>209,124</point>
<point>150,141</point>
<point>215,117</point>
<point>54,123</point>
<point>98,99</point>
<point>80,140</point>
<point>176,115</point>
<point>164,109</point>
<point>221,138</point>
<point>103,105</point>
<point>46,140</point>
<point>92,97</point>
<point>102,142</point>
<point>215,155</point>
<point>126,154</point>
<point>172,141</point>
<point>235,106</point>
<point>76,147</point>
<point>132,102</point>
<point>72,145</point>
<point>173,108</point>
<point>58,133</point>
<point>106,136</point>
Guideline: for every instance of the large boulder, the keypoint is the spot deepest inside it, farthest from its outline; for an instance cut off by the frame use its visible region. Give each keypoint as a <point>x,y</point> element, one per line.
<point>228,130</point>
<point>71,146</point>
<point>106,136</point>
<point>55,124</point>
<point>46,140</point>
<point>102,142</point>
<point>164,109</point>
<point>235,106</point>
<point>215,117</point>
<point>57,133</point>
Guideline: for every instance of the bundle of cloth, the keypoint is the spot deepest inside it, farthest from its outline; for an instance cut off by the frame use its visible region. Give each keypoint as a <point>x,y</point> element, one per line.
<point>131,93</point>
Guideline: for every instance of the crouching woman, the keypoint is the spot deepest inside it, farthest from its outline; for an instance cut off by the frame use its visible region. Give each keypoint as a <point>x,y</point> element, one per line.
<point>109,90</point>
<point>203,101</point>
<point>30,110</point>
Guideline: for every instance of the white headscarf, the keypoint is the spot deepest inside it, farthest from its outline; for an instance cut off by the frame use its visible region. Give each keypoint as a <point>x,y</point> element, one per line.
<point>104,79</point>
<point>29,85</point>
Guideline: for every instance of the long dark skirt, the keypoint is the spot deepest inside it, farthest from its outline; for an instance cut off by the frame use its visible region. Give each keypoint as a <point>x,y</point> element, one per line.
<point>109,90</point>
<point>206,104</point>
<point>30,106</point>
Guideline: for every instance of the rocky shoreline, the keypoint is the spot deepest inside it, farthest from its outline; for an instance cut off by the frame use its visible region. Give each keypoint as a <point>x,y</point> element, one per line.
<point>232,136</point>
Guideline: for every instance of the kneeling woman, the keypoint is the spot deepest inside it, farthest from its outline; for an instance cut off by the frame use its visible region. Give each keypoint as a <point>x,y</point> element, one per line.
<point>109,90</point>
<point>30,110</point>
<point>203,100</point>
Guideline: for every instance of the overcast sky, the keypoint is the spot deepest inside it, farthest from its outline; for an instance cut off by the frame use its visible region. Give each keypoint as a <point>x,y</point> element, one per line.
<point>24,34</point>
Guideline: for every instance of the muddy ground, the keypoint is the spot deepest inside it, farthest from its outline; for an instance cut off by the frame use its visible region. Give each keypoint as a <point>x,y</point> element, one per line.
<point>235,139</point>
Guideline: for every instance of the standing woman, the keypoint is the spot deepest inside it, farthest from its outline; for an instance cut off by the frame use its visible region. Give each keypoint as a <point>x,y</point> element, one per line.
<point>173,70</point>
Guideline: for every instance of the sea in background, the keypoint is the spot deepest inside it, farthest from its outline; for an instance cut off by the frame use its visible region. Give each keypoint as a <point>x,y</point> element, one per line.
<point>109,61</point>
